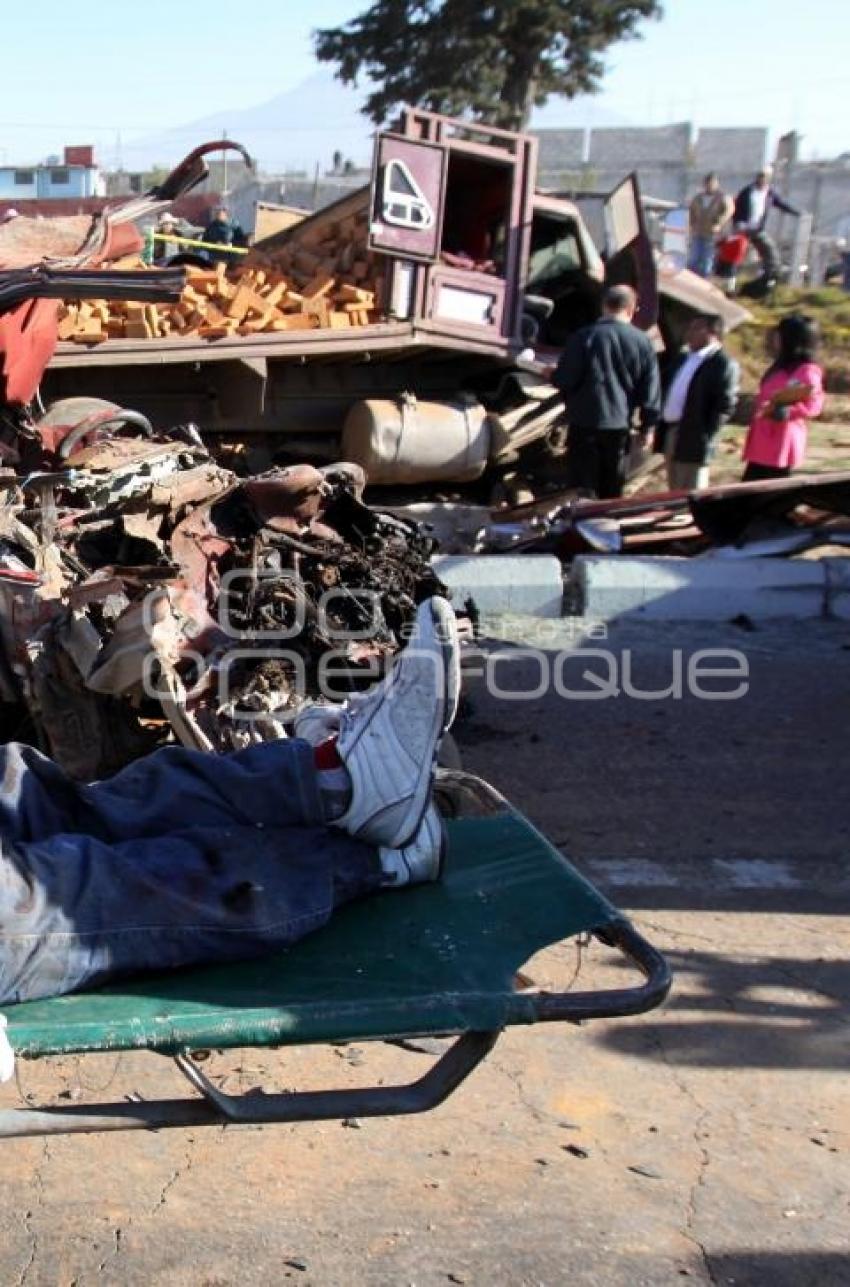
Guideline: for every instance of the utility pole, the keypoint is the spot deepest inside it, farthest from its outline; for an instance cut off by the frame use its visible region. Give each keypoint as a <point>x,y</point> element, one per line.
<point>224,188</point>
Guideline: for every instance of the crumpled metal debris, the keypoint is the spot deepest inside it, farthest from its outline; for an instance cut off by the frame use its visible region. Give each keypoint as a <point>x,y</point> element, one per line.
<point>147,594</point>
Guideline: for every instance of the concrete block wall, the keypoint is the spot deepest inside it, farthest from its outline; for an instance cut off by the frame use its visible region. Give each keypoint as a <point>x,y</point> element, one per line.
<point>561,150</point>
<point>736,151</point>
<point>672,160</point>
<point>824,189</point>
<point>305,193</point>
<point>630,149</point>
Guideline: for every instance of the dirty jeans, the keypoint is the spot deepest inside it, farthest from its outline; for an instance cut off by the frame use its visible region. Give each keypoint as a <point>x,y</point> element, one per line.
<point>180,859</point>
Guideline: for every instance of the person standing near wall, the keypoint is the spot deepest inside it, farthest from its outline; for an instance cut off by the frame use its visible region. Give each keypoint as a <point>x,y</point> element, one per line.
<point>701,396</point>
<point>753,204</point>
<point>790,394</point>
<point>222,231</point>
<point>709,211</point>
<point>607,373</point>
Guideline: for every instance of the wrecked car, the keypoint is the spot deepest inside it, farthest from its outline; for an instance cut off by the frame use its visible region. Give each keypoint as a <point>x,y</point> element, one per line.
<point>148,594</point>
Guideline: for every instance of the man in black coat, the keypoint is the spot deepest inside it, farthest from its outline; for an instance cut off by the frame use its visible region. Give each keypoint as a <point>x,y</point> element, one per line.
<point>702,391</point>
<point>607,373</point>
<point>222,231</point>
<point>753,204</point>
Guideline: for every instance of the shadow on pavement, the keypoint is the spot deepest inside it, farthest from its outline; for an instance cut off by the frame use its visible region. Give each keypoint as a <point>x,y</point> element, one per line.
<point>747,1012</point>
<point>782,1268</point>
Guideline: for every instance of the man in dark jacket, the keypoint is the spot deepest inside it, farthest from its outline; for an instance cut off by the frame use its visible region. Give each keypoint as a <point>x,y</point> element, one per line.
<point>607,373</point>
<point>701,395</point>
<point>222,231</point>
<point>753,204</point>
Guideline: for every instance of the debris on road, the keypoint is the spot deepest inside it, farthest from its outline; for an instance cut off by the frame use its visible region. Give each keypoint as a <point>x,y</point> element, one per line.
<point>646,1171</point>
<point>739,520</point>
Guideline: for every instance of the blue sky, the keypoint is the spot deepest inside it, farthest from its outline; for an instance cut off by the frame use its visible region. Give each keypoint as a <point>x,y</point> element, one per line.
<point>85,73</point>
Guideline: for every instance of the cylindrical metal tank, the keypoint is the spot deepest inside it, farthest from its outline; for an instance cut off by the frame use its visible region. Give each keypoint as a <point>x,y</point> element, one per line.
<point>406,441</point>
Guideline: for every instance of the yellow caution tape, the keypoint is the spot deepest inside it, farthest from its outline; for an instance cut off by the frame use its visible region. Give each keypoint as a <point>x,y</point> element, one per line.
<point>206,245</point>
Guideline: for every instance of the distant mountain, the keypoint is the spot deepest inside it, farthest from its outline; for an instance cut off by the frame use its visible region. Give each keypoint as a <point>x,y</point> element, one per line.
<point>293,130</point>
<point>307,124</point>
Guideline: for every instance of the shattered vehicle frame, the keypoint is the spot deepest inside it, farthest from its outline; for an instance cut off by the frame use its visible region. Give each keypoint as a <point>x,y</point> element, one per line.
<point>148,594</point>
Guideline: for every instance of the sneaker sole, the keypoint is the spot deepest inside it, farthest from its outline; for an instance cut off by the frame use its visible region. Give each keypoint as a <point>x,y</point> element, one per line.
<point>419,879</point>
<point>444,631</point>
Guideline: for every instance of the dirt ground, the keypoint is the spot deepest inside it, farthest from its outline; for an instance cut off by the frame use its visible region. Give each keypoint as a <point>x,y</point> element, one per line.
<point>707,1142</point>
<point>828,450</point>
<point>829,438</point>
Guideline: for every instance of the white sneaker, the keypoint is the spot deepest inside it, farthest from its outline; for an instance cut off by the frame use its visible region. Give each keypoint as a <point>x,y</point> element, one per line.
<point>422,859</point>
<point>316,723</point>
<point>389,737</point>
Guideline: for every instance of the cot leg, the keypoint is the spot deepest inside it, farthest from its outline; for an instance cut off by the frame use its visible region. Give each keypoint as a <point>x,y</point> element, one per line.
<point>215,1108</point>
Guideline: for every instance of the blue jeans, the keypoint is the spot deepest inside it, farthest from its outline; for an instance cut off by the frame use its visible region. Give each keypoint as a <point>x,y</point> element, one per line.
<point>701,256</point>
<point>180,859</point>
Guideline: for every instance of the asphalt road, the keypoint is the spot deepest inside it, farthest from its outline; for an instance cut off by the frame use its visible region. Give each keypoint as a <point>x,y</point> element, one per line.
<point>707,1142</point>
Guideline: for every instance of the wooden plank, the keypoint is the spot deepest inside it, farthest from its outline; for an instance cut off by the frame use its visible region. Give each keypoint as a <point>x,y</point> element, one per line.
<point>318,308</point>
<point>89,337</point>
<point>322,284</point>
<point>356,295</point>
<point>295,322</point>
<point>241,302</point>
<point>137,330</point>
<point>67,324</point>
<point>276,295</point>
<point>201,276</point>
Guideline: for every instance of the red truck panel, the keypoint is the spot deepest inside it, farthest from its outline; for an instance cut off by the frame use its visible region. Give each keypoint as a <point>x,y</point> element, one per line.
<point>27,343</point>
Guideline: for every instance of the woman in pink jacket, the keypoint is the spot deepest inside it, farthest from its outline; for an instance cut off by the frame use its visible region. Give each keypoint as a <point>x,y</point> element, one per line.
<point>790,394</point>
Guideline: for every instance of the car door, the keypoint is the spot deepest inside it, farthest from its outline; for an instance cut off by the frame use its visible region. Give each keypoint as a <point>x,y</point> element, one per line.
<point>629,257</point>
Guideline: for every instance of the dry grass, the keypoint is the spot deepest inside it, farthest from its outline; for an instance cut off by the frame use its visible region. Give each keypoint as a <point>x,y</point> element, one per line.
<point>831,307</point>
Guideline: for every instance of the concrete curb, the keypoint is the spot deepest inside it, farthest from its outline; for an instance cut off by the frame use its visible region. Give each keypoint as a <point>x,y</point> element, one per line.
<point>677,589</point>
<point>530,585</point>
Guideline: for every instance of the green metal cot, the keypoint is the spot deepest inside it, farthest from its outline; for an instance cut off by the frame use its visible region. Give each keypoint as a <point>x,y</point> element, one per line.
<point>439,959</point>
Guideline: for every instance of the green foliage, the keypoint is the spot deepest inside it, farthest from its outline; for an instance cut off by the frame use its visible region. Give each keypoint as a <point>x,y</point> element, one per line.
<point>494,61</point>
<point>155,175</point>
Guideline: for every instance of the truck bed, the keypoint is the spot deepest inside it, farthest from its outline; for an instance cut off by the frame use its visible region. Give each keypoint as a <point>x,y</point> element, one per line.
<point>296,346</point>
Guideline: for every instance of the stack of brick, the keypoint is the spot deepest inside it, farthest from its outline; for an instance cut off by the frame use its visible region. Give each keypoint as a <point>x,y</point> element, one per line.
<point>302,289</point>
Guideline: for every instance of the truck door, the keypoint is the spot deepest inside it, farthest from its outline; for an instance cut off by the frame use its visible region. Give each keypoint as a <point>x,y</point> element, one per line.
<point>451,206</point>
<point>629,257</point>
<point>408,188</point>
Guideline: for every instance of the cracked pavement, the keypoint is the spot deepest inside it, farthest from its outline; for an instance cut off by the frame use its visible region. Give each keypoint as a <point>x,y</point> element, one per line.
<point>707,1142</point>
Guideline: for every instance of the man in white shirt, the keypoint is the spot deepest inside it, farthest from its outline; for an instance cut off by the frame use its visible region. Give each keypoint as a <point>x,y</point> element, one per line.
<point>701,396</point>
<point>753,204</point>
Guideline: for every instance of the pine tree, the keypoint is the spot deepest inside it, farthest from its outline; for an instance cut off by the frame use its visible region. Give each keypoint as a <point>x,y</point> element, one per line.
<point>494,61</point>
